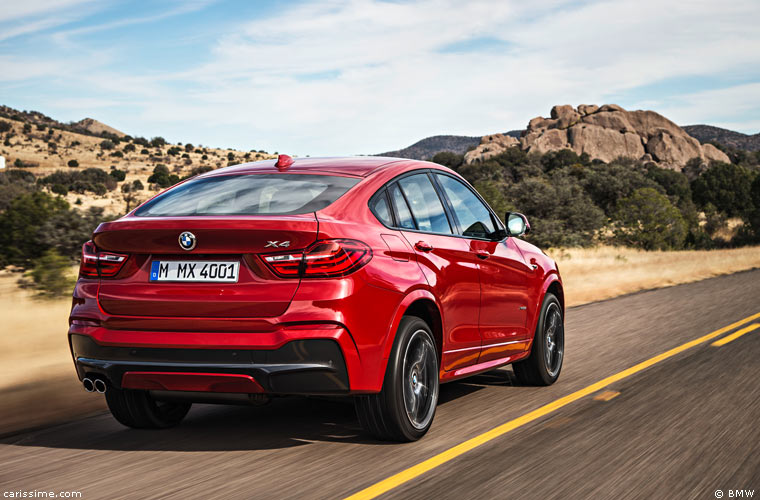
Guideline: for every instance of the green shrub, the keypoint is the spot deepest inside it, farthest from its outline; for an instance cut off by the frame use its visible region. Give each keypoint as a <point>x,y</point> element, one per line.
<point>118,175</point>
<point>161,169</point>
<point>129,148</point>
<point>50,275</point>
<point>158,142</point>
<point>20,223</point>
<point>137,185</point>
<point>60,189</point>
<point>5,126</point>
<point>648,220</point>
<point>73,163</point>
<point>727,186</point>
<point>448,159</point>
<point>174,151</point>
<point>107,144</point>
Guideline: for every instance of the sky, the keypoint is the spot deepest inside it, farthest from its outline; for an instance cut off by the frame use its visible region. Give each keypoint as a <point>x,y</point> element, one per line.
<point>343,77</point>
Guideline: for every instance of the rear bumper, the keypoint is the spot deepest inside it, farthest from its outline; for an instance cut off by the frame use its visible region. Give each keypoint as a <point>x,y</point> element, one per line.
<point>310,366</point>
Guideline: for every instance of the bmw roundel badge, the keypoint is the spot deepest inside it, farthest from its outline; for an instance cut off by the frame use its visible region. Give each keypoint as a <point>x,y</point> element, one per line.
<point>187,241</point>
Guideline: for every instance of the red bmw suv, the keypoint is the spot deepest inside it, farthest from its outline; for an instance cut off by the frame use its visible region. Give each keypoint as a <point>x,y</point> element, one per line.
<point>375,278</point>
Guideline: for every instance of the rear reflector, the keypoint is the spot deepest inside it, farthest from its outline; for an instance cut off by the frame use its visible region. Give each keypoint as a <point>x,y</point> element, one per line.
<point>322,259</point>
<point>100,264</point>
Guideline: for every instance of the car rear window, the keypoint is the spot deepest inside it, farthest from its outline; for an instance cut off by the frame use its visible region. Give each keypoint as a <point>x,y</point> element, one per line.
<point>249,194</point>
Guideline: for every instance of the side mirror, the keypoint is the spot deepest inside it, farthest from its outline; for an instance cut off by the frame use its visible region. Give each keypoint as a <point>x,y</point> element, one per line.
<point>517,224</point>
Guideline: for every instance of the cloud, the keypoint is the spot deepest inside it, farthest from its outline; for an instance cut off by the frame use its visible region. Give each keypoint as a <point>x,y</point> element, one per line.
<point>365,76</point>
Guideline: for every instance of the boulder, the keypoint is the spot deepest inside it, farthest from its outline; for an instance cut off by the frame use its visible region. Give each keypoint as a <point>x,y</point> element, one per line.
<point>605,133</point>
<point>540,122</point>
<point>673,151</point>
<point>587,109</point>
<point>491,145</point>
<point>610,107</point>
<point>614,121</point>
<point>711,153</point>
<point>558,112</point>
<point>603,143</point>
<point>551,140</point>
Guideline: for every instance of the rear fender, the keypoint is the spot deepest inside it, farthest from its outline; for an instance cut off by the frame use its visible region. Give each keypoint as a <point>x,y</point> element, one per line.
<point>401,310</point>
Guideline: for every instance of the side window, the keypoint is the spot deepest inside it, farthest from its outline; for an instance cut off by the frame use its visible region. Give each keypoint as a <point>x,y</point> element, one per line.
<point>405,220</point>
<point>380,208</point>
<point>424,203</point>
<point>474,218</point>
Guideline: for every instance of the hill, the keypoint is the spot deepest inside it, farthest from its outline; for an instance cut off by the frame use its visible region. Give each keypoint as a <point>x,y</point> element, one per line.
<point>97,128</point>
<point>43,146</point>
<point>725,137</point>
<point>428,147</point>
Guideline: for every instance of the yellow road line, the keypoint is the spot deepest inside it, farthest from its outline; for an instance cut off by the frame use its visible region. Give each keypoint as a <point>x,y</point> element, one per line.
<point>606,395</point>
<point>728,338</point>
<point>404,476</point>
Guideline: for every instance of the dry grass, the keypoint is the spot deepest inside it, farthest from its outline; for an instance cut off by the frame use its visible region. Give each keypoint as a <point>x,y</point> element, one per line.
<point>38,385</point>
<point>37,381</point>
<point>592,274</point>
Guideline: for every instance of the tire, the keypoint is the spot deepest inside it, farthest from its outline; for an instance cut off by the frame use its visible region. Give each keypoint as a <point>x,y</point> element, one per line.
<point>405,407</point>
<point>544,364</point>
<point>137,409</point>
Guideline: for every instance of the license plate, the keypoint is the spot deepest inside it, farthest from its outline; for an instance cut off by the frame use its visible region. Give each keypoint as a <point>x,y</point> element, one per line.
<point>199,271</point>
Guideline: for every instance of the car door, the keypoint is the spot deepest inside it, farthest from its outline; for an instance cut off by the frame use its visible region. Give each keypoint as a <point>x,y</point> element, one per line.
<point>502,270</point>
<point>447,262</point>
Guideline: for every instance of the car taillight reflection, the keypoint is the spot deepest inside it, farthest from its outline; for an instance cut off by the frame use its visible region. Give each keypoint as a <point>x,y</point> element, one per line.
<point>322,259</point>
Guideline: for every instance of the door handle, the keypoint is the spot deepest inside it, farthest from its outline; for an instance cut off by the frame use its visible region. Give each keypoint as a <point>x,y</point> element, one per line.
<point>423,246</point>
<point>482,254</point>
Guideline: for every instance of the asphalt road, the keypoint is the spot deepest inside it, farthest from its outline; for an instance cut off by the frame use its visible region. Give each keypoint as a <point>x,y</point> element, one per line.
<point>682,428</point>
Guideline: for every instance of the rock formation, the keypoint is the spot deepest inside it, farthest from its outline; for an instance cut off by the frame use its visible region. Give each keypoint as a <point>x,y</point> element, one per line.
<point>604,133</point>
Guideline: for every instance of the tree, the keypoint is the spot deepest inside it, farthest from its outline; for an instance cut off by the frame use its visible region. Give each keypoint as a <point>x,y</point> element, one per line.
<point>20,222</point>
<point>158,142</point>
<point>754,215</point>
<point>448,159</point>
<point>648,220</point>
<point>726,186</point>
<point>107,144</point>
<point>559,210</point>
<point>558,159</point>
<point>606,184</point>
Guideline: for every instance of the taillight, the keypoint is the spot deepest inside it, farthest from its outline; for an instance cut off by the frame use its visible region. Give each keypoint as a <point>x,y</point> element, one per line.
<point>322,259</point>
<point>100,264</point>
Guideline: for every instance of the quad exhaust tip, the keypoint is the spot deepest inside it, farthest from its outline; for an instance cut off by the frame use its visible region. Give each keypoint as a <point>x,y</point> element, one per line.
<point>88,385</point>
<point>100,386</point>
<point>94,385</point>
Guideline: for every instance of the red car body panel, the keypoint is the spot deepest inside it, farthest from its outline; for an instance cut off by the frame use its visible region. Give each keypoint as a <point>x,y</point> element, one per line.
<point>483,297</point>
